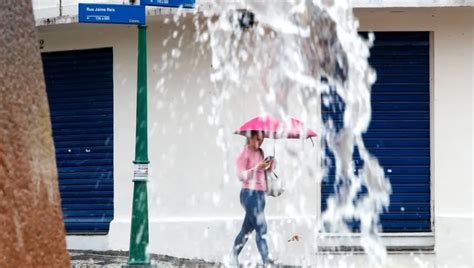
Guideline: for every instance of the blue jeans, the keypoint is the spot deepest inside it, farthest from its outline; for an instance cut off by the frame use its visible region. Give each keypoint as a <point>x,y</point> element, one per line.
<point>254,205</point>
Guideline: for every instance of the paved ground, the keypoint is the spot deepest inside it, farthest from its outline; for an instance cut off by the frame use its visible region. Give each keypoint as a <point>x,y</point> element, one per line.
<point>92,259</point>
<point>95,259</point>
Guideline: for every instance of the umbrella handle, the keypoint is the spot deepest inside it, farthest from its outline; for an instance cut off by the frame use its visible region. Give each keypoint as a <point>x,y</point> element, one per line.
<point>274,146</point>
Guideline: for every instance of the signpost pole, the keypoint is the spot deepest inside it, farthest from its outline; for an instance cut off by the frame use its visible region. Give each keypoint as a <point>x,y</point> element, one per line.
<point>139,230</point>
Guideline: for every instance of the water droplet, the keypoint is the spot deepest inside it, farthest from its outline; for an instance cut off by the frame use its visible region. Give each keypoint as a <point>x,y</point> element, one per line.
<point>201,93</point>
<point>200,109</point>
<point>204,37</point>
<point>216,198</point>
<point>175,53</point>
<point>159,105</point>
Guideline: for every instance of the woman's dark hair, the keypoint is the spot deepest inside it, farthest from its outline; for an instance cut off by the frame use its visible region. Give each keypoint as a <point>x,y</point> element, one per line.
<point>251,134</point>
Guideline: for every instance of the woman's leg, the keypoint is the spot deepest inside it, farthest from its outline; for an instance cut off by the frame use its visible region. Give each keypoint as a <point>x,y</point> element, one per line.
<point>243,235</point>
<point>261,227</point>
<point>247,225</point>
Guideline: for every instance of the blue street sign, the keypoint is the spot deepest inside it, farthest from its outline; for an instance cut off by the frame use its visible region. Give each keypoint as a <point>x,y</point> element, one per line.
<point>110,13</point>
<point>169,3</point>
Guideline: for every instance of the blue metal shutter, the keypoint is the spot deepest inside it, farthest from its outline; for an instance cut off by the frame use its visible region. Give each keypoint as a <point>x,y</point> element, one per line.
<point>79,85</point>
<point>399,133</point>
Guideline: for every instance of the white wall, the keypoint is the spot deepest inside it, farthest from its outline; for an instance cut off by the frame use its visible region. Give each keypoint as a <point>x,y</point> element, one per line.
<point>193,211</point>
<point>45,8</point>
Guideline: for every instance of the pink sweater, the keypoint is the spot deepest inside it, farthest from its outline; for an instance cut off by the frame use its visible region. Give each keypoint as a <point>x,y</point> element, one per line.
<point>252,177</point>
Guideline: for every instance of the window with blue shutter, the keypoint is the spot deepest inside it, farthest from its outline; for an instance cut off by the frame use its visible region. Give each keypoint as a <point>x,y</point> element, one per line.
<point>399,133</point>
<point>79,86</point>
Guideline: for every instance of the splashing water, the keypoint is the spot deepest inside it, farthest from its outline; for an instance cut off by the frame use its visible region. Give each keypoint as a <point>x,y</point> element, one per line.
<point>304,53</point>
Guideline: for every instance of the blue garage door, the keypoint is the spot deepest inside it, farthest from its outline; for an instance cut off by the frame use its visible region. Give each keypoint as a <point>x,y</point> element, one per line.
<point>399,133</point>
<point>80,93</point>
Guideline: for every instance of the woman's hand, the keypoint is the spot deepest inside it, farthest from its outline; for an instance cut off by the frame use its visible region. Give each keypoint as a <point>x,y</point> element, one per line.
<point>264,164</point>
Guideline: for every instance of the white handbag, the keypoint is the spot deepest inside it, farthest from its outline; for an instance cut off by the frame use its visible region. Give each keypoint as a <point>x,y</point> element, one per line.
<point>274,185</point>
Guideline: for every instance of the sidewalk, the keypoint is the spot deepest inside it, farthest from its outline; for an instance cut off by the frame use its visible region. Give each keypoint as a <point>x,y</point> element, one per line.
<point>95,259</point>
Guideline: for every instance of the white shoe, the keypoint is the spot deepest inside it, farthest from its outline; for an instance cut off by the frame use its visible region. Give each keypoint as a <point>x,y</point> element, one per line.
<point>272,263</point>
<point>233,260</point>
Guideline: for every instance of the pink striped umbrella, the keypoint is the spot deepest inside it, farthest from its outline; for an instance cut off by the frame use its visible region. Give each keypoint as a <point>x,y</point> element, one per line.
<point>275,129</point>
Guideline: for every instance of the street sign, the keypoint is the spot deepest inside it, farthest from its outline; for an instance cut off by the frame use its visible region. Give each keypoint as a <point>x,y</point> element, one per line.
<point>169,3</point>
<point>113,14</point>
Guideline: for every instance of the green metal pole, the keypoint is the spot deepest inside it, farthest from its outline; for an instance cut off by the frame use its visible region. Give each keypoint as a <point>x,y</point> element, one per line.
<point>139,230</point>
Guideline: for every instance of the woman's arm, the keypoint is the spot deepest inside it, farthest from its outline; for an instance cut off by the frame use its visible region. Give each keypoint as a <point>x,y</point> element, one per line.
<point>244,172</point>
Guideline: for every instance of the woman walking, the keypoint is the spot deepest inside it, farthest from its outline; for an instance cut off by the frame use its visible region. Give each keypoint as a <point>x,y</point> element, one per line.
<point>251,167</point>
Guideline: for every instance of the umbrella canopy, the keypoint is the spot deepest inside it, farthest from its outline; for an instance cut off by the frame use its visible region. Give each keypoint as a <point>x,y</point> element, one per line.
<point>275,129</point>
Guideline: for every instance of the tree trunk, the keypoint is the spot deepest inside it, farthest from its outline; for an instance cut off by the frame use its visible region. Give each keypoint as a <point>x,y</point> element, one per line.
<point>31,222</point>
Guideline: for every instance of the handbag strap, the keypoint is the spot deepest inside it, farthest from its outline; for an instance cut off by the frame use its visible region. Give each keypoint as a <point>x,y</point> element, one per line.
<point>264,172</point>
